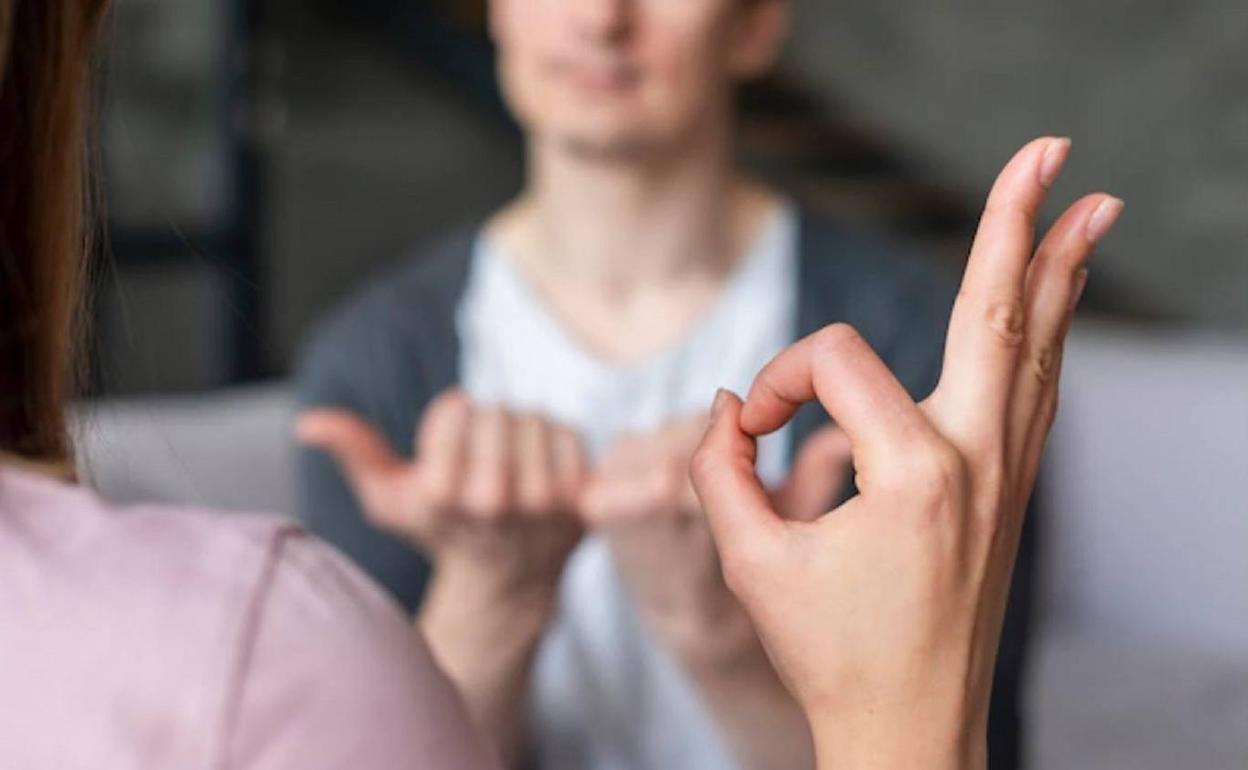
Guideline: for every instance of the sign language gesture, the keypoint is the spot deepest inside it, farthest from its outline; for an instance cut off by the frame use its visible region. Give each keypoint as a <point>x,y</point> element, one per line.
<point>491,496</point>
<point>883,616</point>
<point>487,489</point>
<point>641,500</point>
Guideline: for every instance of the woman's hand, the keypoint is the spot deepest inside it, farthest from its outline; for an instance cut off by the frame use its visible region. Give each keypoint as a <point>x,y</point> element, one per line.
<point>491,497</point>
<point>883,616</point>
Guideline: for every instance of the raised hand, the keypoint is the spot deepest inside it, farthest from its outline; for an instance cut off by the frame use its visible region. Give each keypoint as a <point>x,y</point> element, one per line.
<point>489,488</point>
<point>491,496</point>
<point>883,616</point>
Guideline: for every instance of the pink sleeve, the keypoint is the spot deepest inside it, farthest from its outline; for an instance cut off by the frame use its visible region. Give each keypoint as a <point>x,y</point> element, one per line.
<point>336,677</point>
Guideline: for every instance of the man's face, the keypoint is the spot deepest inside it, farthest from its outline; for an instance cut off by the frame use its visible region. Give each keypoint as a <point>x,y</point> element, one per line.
<point>629,78</point>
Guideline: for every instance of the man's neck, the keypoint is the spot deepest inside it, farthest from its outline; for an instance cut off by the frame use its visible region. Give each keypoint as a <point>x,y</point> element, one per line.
<point>618,226</point>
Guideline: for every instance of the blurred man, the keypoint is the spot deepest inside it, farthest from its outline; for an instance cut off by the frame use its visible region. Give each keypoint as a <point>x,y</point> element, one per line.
<point>517,406</point>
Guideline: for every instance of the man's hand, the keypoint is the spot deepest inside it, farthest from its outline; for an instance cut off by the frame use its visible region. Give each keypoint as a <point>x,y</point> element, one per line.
<point>883,616</point>
<point>641,500</point>
<point>491,497</point>
<point>489,492</point>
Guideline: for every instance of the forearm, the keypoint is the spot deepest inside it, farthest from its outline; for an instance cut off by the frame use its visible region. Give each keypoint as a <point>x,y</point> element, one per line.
<point>485,640</point>
<point>752,708</point>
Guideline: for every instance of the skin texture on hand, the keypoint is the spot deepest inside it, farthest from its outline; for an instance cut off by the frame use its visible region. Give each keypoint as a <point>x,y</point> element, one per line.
<point>491,496</point>
<point>641,500</point>
<point>499,528</point>
<point>883,616</point>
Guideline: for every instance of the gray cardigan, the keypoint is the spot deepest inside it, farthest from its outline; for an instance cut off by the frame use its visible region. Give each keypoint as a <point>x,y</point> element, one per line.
<point>394,346</point>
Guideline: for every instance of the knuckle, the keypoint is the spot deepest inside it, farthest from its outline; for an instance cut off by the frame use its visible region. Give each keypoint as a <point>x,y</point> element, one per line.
<point>528,423</point>
<point>1006,320</point>
<point>836,337</point>
<point>741,567</point>
<point>488,500</point>
<point>452,398</point>
<point>938,474</point>
<point>492,415</point>
<point>1013,211</point>
<point>703,465</point>
<point>538,499</point>
<point>1042,364</point>
<point>441,490</point>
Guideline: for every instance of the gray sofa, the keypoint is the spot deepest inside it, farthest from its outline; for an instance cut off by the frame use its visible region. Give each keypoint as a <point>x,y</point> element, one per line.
<point>1141,659</point>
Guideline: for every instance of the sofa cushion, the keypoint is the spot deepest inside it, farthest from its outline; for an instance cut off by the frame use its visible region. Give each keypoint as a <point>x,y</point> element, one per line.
<point>1141,655</point>
<point>228,449</point>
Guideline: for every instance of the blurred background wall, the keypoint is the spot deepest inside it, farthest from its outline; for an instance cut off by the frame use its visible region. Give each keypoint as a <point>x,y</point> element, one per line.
<point>1154,93</point>
<point>263,158</point>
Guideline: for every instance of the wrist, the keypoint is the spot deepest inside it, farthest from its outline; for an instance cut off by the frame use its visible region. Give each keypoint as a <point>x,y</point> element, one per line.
<point>484,636</point>
<point>715,644</point>
<point>752,707</point>
<point>509,580</point>
<point>485,608</point>
<point>886,740</point>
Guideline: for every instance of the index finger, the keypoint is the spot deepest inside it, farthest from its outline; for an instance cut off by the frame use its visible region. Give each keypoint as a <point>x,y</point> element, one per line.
<point>838,367</point>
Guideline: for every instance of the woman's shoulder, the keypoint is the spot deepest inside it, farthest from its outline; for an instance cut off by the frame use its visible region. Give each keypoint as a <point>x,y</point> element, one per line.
<point>202,568</point>
<point>72,534</point>
<point>233,633</point>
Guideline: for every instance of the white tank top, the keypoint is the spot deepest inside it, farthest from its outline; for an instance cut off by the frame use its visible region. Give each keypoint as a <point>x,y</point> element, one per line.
<point>605,696</point>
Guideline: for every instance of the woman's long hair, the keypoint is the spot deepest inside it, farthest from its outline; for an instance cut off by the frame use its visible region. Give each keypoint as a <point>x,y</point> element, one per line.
<point>45,56</point>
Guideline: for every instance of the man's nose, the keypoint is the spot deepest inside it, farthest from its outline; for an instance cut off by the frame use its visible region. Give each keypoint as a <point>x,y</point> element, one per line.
<point>605,20</point>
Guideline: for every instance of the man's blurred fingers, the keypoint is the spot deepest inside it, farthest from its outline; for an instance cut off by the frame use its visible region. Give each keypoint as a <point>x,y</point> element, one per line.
<point>533,469</point>
<point>369,464</point>
<point>819,474</point>
<point>570,465</point>
<point>488,478</point>
<point>442,446</point>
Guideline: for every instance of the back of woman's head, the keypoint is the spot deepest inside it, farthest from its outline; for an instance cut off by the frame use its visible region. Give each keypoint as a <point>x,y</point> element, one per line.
<point>45,53</point>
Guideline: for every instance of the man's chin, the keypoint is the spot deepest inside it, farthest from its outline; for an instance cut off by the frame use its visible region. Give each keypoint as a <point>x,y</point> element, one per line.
<point>617,148</point>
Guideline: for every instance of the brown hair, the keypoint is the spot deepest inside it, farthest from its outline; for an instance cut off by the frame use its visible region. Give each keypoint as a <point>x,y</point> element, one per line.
<point>45,55</point>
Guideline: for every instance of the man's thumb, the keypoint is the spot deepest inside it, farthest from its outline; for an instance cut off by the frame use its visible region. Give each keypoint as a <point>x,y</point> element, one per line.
<point>365,458</point>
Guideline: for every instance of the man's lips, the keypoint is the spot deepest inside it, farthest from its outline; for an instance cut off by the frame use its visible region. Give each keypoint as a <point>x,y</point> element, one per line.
<point>597,79</point>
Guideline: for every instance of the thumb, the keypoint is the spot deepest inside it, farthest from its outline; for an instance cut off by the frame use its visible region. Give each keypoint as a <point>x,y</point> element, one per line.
<point>737,508</point>
<point>819,474</point>
<point>366,459</point>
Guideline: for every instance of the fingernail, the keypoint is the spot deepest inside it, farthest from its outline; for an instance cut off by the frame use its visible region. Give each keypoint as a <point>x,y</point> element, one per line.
<point>1081,283</point>
<point>717,406</point>
<point>1055,156</point>
<point>1103,219</point>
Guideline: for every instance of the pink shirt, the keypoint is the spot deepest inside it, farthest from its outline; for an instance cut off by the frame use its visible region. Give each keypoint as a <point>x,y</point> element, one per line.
<point>146,637</point>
